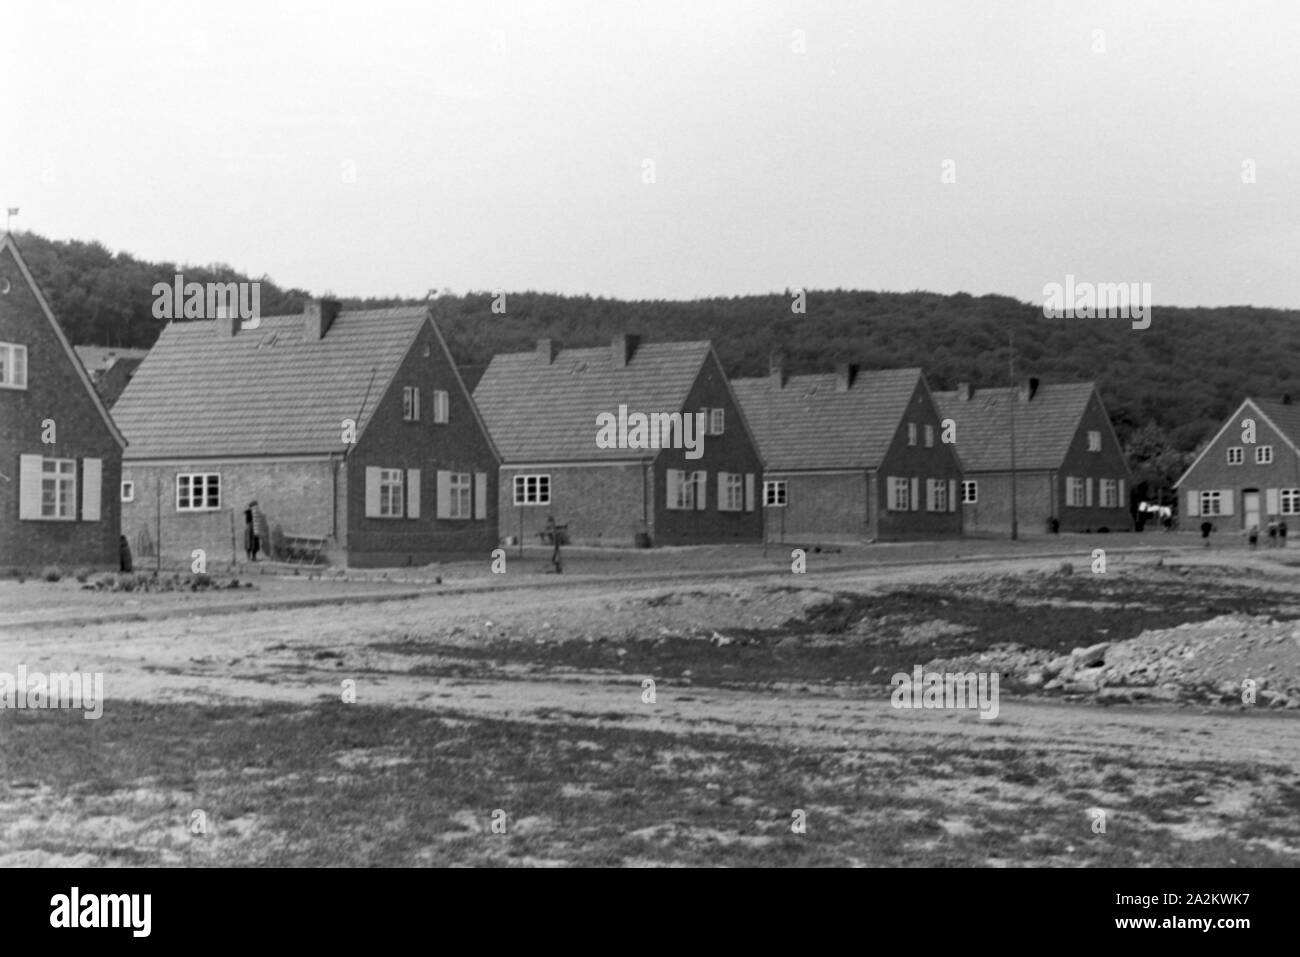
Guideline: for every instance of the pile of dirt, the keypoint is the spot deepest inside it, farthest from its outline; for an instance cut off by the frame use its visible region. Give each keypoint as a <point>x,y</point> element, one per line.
<point>1228,659</point>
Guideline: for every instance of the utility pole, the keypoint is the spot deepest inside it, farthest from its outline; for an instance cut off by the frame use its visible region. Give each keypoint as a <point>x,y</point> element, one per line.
<point>1011,367</point>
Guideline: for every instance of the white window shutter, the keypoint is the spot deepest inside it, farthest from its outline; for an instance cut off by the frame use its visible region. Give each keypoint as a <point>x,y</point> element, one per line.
<point>1087,485</point>
<point>674,487</point>
<point>1271,501</point>
<point>372,491</point>
<point>915,497</point>
<point>952,495</point>
<point>412,493</point>
<point>1193,503</point>
<point>891,497</point>
<point>1225,497</point>
<point>749,491</point>
<point>722,491</point>
<point>1123,494</point>
<point>29,486</point>
<point>443,509</point>
<point>701,490</point>
<point>92,476</point>
<point>480,495</point>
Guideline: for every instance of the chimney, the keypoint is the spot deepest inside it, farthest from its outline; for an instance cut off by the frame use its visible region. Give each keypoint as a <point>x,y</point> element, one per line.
<point>964,392</point>
<point>1028,389</point>
<point>546,351</point>
<point>845,373</point>
<point>776,369</point>
<point>624,345</point>
<point>317,317</point>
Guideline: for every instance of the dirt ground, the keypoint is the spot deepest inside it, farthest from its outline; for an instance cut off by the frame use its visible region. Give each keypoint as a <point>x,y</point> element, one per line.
<point>772,666</point>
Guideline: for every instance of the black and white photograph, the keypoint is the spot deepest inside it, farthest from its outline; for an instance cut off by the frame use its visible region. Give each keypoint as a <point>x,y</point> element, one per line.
<point>651,434</point>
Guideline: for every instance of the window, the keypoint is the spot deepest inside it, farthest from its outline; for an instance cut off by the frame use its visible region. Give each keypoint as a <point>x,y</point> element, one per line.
<point>1290,501</point>
<point>929,436</point>
<point>731,492</point>
<point>1236,455</point>
<point>1211,503</point>
<point>969,493</point>
<point>1074,492</point>
<point>458,489</point>
<point>390,494</point>
<point>717,419</point>
<point>774,493</point>
<point>128,491</point>
<point>900,494</point>
<point>441,407</point>
<point>532,490</point>
<point>1094,441</point>
<point>411,404</point>
<point>686,490</point>
<point>911,433</point>
<point>1109,493</point>
<point>59,488</point>
<point>198,491</point>
<point>1264,455</point>
<point>13,366</point>
<point>936,495</point>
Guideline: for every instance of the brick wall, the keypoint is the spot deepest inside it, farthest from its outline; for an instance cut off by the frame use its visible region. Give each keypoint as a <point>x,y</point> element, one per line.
<point>602,505</point>
<point>820,508</point>
<point>54,391</point>
<point>991,512</point>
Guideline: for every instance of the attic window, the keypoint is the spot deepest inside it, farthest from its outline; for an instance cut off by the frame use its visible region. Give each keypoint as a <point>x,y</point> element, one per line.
<point>13,366</point>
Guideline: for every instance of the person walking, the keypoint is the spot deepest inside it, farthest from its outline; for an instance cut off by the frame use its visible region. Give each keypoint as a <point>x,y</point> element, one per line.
<point>261,532</point>
<point>1272,533</point>
<point>553,532</point>
<point>1281,534</point>
<point>1253,535</point>
<point>1206,528</point>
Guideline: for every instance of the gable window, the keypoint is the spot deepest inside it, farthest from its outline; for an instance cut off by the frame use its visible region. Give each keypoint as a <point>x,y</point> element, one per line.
<point>13,366</point>
<point>1290,501</point>
<point>717,419</point>
<point>1236,455</point>
<point>1264,455</point>
<point>936,495</point>
<point>411,404</point>
<point>731,491</point>
<point>900,494</point>
<point>969,492</point>
<point>198,491</point>
<point>128,491</point>
<point>774,493</point>
<point>390,493</point>
<point>532,490</point>
<point>929,436</point>
<point>1109,493</point>
<point>1212,503</point>
<point>1074,491</point>
<point>1094,441</point>
<point>441,407</point>
<point>911,433</point>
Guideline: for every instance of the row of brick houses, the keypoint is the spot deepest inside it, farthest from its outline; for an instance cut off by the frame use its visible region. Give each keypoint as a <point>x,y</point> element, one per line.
<point>353,435</point>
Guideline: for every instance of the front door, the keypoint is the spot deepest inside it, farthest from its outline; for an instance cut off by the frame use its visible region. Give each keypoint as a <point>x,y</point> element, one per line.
<point>1250,508</point>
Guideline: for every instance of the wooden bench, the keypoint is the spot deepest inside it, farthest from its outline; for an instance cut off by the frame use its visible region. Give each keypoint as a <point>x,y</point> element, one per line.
<point>303,549</point>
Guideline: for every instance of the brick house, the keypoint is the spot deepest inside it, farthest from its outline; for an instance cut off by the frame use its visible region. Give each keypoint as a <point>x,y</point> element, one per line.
<point>852,455</point>
<point>110,369</point>
<point>350,427</point>
<point>544,409</point>
<point>1248,474</point>
<point>1069,464</point>
<point>60,452</point>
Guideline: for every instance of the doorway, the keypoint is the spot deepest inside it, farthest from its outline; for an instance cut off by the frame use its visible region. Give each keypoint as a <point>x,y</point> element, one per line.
<point>1250,508</point>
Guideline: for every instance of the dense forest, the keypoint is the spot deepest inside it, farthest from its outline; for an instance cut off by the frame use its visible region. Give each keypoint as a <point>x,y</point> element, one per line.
<point>1167,387</point>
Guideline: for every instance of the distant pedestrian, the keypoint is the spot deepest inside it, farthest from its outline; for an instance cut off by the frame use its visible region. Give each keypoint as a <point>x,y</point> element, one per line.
<point>124,554</point>
<point>1206,528</point>
<point>1253,535</point>
<point>553,532</point>
<point>261,532</point>
<point>1272,534</point>
<point>1281,534</point>
<point>250,536</point>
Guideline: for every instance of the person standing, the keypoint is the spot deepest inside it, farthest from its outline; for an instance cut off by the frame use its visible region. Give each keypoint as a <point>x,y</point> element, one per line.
<point>250,536</point>
<point>1281,534</point>
<point>261,532</point>
<point>553,532</point>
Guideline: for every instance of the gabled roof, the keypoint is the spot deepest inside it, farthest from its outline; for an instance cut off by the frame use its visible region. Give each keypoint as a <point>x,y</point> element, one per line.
<point>546,412</point>
<point>98,359</point>
<point>266,391</point>
<point>1282,416</point>
<point>808,424</point>
<point>1045,425</point>
<point>7,242</point>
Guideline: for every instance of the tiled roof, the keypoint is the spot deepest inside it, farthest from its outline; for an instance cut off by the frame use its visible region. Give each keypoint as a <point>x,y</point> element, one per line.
<point>1045,425</point>
<point>101,358</point>
<point>546,412</point>
<point>807,424</point>
<point>267,391</point>
<point>1285,416</point>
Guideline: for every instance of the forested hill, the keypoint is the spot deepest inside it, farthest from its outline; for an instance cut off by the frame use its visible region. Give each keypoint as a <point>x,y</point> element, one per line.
<point>1183,374</point>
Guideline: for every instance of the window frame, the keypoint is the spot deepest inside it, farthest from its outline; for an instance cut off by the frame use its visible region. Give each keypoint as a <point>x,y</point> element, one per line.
<point>441,406</point>
<point>911,434</point>
<point>1108,485</point>
<point>1094,440</point>
<point>537,480</point>
<point>1291,495</point>
<point>411,403</point>
<point>392,504</point>
<point>778,486</point>
<point>928,436</point>
<point>900,493</point>
<point>9,353</point>
<point>210,480</point>
<point>1261,458</point>
<point>127,484</point>
<point>1236,455</point>
<point>1208,497</point>
<point>717,421</point>
<point>734,498</point>
<point>64,479</point>
<point>1073,484</point>
<point>460,486</point>
<point>974,485</point>
<point>936,495</point>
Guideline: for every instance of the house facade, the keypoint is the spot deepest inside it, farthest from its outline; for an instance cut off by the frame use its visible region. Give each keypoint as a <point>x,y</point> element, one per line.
<point>352,430</point>
<point>60,452</point>
<point>853,456</point>
<point>552,414</point>
<point>1248,474</point>
<point>1070,471</point>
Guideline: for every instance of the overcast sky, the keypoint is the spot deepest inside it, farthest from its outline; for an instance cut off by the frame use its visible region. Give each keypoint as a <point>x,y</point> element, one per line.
<point>382,148</point>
